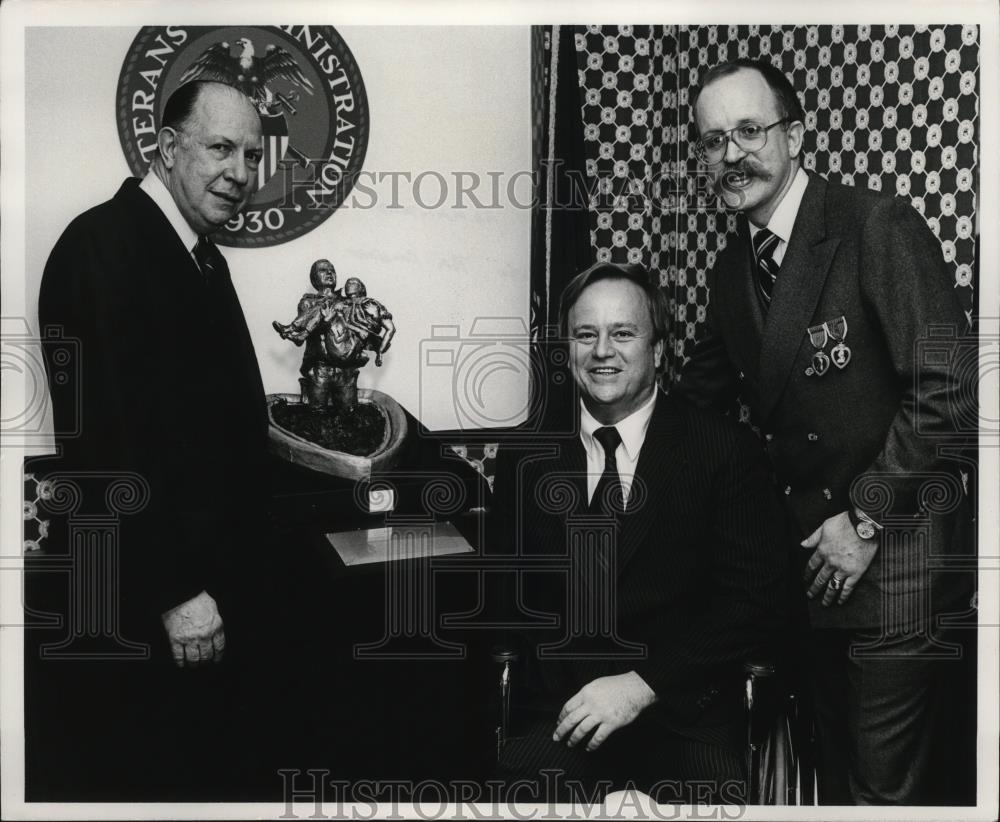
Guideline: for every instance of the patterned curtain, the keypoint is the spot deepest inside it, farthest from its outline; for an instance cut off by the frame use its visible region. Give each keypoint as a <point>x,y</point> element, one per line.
<point>560,238</point>
<point>890,107</point>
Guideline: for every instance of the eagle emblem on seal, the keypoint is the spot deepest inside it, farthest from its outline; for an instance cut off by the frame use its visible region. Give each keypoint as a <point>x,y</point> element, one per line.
<point>252,75</point>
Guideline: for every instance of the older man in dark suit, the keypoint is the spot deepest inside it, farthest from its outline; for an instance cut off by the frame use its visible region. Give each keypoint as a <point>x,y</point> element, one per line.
<point>653,538</point>
<point>817,312</point>
<point>170,393</point>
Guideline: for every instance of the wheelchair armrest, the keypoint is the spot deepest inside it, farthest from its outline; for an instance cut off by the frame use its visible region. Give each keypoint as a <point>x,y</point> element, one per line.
<point>505,657</point>
<point>762,697</point>
<point>778,737</point>
<point>504,653</point>
<point>759,668</point>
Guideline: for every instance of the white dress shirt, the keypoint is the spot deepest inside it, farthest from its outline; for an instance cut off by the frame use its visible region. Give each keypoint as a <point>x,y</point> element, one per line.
<point>632,430</point>
<point>158,193</point>
<point>783,219</point>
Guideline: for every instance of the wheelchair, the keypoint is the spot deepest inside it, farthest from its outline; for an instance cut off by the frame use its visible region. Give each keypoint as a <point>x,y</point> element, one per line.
<point>779,734</point>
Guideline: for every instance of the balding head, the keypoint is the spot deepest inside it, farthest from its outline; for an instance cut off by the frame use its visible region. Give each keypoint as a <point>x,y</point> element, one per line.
<point>209,150</point>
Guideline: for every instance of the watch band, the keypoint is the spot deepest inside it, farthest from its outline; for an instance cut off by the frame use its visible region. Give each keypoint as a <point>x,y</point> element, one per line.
<point>863,525</point>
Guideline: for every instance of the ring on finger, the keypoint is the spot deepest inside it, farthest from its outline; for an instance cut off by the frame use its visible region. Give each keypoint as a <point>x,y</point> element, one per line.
<point>836,583</point>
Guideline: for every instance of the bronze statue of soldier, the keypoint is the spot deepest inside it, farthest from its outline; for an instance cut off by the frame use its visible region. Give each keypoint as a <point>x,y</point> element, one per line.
<point>337,328</point>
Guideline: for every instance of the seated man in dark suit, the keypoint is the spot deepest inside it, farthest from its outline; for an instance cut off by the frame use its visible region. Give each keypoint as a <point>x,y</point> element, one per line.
<point>654,538</point>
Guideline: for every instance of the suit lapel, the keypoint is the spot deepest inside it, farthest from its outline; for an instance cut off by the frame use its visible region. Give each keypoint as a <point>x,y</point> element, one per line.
<point>737,306</point>
<point>572,464</point>
<point>796,291</point>
<point>661,463</point>
<point>181,291</point>
<point>546,477</point>
<point>149,219</point>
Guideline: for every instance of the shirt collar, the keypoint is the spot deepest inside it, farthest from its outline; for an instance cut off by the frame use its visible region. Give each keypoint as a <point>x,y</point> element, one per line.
<point>632,429</point>
<point>158,193</point>
<point>783,218</point>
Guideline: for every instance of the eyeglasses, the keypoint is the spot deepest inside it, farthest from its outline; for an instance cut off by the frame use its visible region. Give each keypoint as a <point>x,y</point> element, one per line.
<point>750,137</point>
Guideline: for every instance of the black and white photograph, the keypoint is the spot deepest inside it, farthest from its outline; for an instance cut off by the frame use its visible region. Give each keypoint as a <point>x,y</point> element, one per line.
<point>527,410</point>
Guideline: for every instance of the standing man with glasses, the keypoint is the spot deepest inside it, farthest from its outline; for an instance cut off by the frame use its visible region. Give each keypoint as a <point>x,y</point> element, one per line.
<point>818,307</point>
<point>184,411</point>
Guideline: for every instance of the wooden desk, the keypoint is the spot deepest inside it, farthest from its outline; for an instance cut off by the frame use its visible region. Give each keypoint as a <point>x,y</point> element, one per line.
<point>376,687</point>
<point>401,667</point>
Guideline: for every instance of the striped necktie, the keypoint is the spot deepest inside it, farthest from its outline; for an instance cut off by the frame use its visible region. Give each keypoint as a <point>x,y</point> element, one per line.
<point>765,243</point>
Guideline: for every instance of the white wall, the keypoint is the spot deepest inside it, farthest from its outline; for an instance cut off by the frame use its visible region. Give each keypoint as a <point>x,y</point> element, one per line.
<point>441,99</point>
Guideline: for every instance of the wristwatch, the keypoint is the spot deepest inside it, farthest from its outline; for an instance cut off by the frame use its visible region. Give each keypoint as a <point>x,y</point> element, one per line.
<point>864,525</point>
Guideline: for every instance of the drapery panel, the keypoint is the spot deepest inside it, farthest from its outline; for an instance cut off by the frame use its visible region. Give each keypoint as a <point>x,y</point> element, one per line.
<point>890,107</point>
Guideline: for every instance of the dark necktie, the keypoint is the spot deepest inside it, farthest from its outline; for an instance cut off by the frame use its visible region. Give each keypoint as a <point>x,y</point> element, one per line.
<point>608,495</point>
<point>210,260</point>
<point>764,244</point>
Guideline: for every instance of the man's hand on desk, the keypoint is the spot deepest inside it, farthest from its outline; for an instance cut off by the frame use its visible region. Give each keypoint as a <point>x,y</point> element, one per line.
<point>603,706</point>
<point>195,631</point>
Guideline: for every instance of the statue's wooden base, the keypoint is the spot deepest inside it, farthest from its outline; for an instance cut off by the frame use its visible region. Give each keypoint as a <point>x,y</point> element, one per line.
<point>300,451</point>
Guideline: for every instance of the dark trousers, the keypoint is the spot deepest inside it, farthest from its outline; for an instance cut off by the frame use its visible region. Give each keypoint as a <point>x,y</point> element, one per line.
<point>669,767</point>
<point>888,717</point>
<point>146,731</point>
<point>103,729</point>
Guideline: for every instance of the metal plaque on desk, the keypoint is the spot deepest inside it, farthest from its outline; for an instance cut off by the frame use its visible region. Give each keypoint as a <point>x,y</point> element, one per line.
<point>396,542</point>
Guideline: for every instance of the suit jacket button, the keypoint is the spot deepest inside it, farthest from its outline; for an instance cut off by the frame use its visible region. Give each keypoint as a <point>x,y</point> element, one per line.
<point>742,375</point>
<point>812,437</point>
<point>788,490</point>
<point>827,493</point>
<point>769,437</point>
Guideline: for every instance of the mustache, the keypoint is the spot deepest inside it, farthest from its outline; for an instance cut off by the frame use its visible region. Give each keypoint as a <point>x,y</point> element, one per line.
<point>743,168</point>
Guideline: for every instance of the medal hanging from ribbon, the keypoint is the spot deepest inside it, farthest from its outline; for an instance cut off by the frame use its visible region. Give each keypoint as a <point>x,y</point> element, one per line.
<point>818,336</point>
<point>840,353</point>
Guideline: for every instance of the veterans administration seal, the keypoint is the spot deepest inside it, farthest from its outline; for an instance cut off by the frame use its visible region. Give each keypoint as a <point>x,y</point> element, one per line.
<point>308,90</point>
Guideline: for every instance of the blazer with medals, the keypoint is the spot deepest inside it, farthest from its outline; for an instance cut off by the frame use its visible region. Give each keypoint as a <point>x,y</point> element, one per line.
<point>169,390</point>
<point>864,272</point>
<point>682,587</point>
